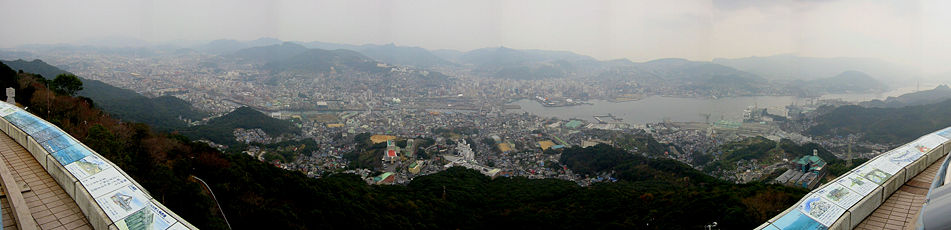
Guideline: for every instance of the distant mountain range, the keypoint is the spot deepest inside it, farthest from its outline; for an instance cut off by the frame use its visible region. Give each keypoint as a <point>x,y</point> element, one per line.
<point>721,77</point>
<point>402,55</point>
<point>13,55</point>
<point>792,67</point>
<point>785,74</point>
<point>692,71</point>
<point>702,77</point>
<point>297,58</point>
<point>845,82</point>
<point>226,46</point>
<point>501,62</point>
<point>504,62</point>
<point>270,53</point>
<point>938,94</point>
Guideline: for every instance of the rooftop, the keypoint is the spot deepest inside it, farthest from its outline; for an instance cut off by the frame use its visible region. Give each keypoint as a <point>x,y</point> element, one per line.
<point>810,159</point>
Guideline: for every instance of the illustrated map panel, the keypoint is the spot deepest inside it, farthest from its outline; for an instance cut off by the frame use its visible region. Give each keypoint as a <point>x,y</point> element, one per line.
<point>20,118</point>
<point>855,182</point>
<point>903,156</point>
<point>840,195</point>
<point>121,202</point>
<point>57,143</point>
<point>88,166</point>
<point>878,171</point>
<point>71,154</point>
<point>46,134</point>
<point>150,217</point>
<point>820,209</point>
<point>34,126</point>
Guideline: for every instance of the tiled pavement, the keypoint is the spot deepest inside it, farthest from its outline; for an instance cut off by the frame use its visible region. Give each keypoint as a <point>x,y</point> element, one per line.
<point>900,210</point>
<point>50,206</point>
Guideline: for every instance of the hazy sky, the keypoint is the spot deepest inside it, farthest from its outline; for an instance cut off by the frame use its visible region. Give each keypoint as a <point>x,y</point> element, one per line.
<point>910,32</point>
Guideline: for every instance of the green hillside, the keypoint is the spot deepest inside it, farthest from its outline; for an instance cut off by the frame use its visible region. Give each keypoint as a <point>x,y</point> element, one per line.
<point>324,61</point>
<point>221,129</point>
<point>883,125</point>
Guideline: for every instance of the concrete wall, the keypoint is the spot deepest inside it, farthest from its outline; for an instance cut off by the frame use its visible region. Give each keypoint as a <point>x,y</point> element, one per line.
<point>866,206</point>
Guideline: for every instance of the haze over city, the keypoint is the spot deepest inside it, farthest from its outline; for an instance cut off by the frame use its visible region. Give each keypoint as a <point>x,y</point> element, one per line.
<point>910,33</point>
<point>522,114</point>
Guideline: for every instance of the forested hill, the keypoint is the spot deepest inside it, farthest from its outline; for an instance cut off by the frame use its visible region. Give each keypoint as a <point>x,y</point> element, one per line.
<point>938,94</point>
<point>884,125</point>
<point>220,129</point>
<point>36,66</point>
<point>162,112</point>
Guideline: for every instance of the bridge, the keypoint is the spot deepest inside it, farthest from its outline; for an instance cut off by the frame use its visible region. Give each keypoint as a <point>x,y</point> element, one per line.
<point>50,180</point>
<point>886,192</point>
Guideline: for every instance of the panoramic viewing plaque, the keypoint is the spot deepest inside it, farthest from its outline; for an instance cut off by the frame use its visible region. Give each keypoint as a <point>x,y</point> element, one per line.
<point>820,209</point>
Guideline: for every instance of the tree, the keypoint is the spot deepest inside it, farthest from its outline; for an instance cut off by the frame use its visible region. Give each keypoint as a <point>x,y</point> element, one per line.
<point>67,84</point>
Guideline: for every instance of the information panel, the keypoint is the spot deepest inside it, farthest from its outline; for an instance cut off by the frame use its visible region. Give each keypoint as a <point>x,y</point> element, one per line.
<point>150,217</point>
<point>903,156</point>
<point>8,110</point>
<point>927,142</point>
<point>57,143</point>
<point>878,170</point>
<point>946,133</point>
<point>120,203</point>
<point>797,220</point>
<point>820,209</point>
<point>35,126</point>
<point>88,166</point>
<point>855,182</point>
<point>71,154</point>
<point>103,182</point>
<point>840,195</point>
<point>20,118</point>
<point>46,134</point>
<point>883,164</point>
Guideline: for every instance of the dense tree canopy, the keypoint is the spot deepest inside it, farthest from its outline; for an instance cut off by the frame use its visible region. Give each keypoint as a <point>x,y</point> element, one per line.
<point>67,84</point>
<point>883,125</point>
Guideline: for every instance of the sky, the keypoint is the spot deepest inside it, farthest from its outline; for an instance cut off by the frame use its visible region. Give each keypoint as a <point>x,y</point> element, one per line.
<point>914,33</point>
